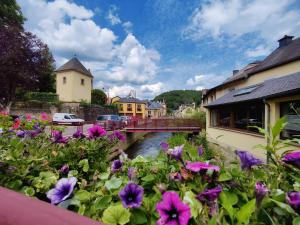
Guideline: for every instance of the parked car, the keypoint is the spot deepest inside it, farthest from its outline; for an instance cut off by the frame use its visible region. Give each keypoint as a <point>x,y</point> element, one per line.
<point>125,119</point>
<point>110,122</point>
<point>66,118</point>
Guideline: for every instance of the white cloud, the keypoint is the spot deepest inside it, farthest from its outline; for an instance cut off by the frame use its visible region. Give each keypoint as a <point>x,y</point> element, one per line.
<point>258,51</point>
<point>122,90</point>
<point>202,81</point>
<point>153,89</point>
<point>127,27</point>
<point>270,19</point>
<point>113,16</point>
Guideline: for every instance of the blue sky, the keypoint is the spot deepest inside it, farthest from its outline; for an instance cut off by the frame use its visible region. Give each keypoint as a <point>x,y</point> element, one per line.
<point>153,46</point>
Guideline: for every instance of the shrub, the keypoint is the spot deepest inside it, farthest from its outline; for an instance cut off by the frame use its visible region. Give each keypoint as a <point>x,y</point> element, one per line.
<point>41,96</point>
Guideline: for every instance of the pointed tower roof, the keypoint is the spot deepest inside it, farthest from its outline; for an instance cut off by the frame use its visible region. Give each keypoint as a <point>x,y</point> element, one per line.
<point>75,64</point>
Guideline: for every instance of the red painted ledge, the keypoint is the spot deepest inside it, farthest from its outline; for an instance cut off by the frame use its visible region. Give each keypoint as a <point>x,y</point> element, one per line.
<point>18,209</point>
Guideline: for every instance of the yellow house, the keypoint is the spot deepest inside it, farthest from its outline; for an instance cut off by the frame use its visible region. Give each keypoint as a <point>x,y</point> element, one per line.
<point>130,106</point>
<point>156,109</point>
<point>257,95</point>
<point>74,82</point>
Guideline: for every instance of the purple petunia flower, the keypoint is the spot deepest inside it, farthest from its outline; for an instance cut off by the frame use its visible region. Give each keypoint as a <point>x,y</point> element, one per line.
<point>64,169</point>
<point>131,173</point>
<point>119,135</point>
<point>32,133</point>
<point>172,210</point>
<point>116,166</point>
<point>200,150</point>
<point>261,191</point>
<point>293,198</point>
<point>247,160</point>
<point>292,158</point>
<point>201,166</point>
<point>176,152</point>
<point>164,146</point>
<point>20,133</point>
<point>209,197</point>
<point>78,134</point>
<point>58,137</point>
<point>63,190</point>
<point>96,131</point>
<point>131,195</point>
<point>36,126</point>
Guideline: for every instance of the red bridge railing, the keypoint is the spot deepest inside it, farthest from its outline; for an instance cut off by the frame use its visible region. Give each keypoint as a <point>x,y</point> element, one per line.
<point>18,209</point>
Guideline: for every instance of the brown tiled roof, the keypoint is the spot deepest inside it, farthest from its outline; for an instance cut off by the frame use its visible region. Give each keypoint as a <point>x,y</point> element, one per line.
<point>280,56</point>
<point>75,64</point>
<point>268,89</point>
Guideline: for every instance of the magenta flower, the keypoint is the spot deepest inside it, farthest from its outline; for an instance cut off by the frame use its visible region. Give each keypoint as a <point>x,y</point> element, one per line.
<point>44,116</point>
<point>131,195</point>
<point>28,117</point>
<point>119,135</point>
<point>96,131</point>
<point>201,166</point>
<point>247,160</point>
<point>209,197</point>
<point>292,158</point>
<point>293,199</point>
<point>131,173</point>
<point>200,150</point>
<point>63,190</point>
<point>33,133</point>
<point>172,210</point>
<point>78,134</point>
<point>164,146</point>
<point>176,152</point>
<point>261,191</point>
<point>64,169</point>
<point>116,166</point>
<point>58,137</point>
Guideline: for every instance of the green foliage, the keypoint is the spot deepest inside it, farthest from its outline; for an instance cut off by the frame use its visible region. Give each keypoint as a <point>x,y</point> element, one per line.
<point>200,116</point>
<point>10,13</point>
<point>98,97</point>
<point>41,96</point>
<point>176,98</point>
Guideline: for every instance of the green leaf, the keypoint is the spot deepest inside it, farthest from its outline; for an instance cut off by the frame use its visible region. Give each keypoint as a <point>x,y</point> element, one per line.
<point>114,215</point>
<point>104,176</point>
<point>212,221</point>
<point>29,191</point>
<point>296,221</point>
<point>83,195</point>
<point>225,176</point>
<point>72,173</point>
<point>148,178</point>
<point>138,216</point>
<point>139,159</point>
<point>84,164</point>
<point>194,204</point>
<point>229,199</point>
<point>278,127</point>
<point>113,183</point>
<point>244,214</point>
<point>102,202</point>
<point>284,206</point>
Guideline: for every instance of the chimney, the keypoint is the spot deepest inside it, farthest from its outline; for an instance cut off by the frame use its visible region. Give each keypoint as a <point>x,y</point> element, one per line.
<point>285,40</point>
<point>235,72</point>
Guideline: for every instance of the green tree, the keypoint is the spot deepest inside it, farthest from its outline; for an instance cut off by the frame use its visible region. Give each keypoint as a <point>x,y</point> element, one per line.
<point>10,13</point>
<point>98,97</point>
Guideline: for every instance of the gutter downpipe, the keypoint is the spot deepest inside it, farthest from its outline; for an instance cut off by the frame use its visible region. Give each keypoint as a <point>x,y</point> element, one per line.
<point>268,127</point>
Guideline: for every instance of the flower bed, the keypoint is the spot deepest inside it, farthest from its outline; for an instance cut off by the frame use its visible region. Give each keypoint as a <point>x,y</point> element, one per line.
<point>183,185</point>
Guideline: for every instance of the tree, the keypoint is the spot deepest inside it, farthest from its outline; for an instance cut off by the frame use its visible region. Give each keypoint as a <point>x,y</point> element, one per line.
<point>98,97</point>
<point>25,62</point>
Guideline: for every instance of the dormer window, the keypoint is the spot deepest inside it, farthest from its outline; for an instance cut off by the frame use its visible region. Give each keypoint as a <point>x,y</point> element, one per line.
<point>64,80</point>
<point>82,81</point>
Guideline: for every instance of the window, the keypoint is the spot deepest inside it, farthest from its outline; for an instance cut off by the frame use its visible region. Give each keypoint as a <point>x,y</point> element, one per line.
<point>64,80</point>
<point>67,117</point>
<point>246,90</point>
<point>139,107</point>
<point>244,116</point>
<point>121,107</point>
<point>82,81</point>
<point>292,112</point>
<point>129,107</point>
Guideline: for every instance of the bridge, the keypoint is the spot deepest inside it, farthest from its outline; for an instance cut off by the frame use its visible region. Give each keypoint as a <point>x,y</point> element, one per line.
<point>164,125</point>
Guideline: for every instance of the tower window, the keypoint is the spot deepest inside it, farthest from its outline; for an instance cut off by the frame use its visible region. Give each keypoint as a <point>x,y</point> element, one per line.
<point>64,80</point>
<point>82,81</point>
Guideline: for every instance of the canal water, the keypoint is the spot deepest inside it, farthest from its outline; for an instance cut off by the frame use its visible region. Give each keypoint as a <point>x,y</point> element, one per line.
<point>148,146</point>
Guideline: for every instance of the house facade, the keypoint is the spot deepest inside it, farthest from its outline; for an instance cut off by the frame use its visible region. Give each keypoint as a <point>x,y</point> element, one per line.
<point>257,95</point>
<point>130,106</point>
<point>156,109</point>
<point>74,83</point>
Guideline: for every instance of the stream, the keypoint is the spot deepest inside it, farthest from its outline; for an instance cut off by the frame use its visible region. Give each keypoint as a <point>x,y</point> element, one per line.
<point>148,146</point>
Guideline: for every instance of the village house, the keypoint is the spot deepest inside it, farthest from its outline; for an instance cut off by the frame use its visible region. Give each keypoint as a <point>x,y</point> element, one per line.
<point>257,95</point>
<point>130,106</point>
<point>74,83</point>
<point>156,109</point>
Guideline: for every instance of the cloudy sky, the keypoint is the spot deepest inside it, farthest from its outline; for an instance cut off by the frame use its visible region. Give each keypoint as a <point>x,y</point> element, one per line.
<point>153,46</point>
